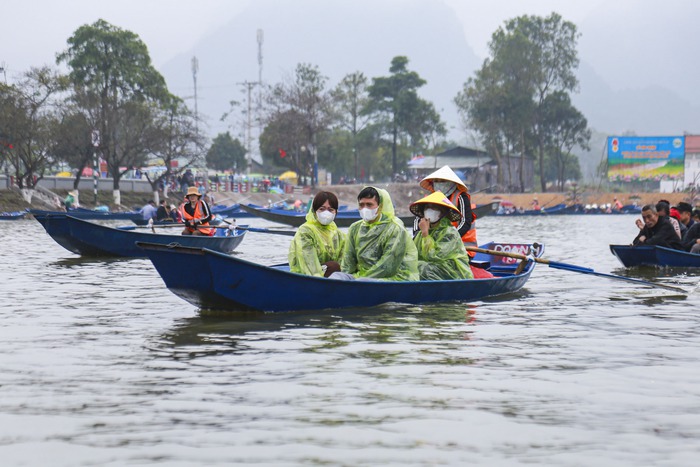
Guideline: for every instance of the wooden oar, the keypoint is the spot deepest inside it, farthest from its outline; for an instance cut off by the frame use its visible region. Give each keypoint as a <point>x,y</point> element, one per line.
<point>288,233</point>
<point>572,268</point>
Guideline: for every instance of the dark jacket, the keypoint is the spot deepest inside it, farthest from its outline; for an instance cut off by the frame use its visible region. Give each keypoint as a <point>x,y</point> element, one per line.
<point>690,237</point>
<point>662,234</point>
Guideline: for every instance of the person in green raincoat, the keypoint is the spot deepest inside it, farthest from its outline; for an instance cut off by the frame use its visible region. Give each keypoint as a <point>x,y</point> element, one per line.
<point>318,244</point>
<point>441,253</point>
<point>378,247</point>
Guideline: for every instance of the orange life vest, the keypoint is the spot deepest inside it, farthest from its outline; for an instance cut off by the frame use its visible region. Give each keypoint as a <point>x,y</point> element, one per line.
<point>469,237</point>
<point>197,215</point>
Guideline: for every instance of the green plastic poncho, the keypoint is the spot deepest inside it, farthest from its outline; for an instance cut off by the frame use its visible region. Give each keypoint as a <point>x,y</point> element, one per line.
<point>441,255</point>
<point>381,250</point>
<point>314,244</point>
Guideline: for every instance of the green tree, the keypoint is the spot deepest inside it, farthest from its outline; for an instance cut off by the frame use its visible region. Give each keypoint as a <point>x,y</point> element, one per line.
<point>564,128</point>
<point>303,106</point>
<point>531,58</point>
<point>226,153</point>
<point>27,116</point>
<point>405,117</point>
<point>115,84</point>
<point>176,139</point>
<point>351,97</point>
<point>72,141</point>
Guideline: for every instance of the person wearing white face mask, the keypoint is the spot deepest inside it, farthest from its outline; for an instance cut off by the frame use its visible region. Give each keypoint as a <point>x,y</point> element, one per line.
<point>441,254</point>
<point>378,247</point>
<point>317,246</point>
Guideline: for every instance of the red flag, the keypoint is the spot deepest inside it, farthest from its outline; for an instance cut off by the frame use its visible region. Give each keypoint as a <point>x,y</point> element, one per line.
<point>283,153</point>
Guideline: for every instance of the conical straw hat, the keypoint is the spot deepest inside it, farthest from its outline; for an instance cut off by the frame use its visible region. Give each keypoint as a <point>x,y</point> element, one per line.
<point>443,173</point>
<point>438,198</point>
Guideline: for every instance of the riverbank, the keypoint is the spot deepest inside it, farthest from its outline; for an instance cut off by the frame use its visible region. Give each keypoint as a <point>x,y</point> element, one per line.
<point>403,194</point>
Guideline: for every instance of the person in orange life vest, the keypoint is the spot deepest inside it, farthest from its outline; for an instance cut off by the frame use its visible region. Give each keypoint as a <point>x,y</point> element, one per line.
<point>449,183</point>
<point>617,205</point>
<point>195,212</point>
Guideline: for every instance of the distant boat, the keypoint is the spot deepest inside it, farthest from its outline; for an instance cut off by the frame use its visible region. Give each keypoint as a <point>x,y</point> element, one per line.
<point>229,283</point>
<point>13,216</point>
<point>653,255</point>
<point>90,239</point>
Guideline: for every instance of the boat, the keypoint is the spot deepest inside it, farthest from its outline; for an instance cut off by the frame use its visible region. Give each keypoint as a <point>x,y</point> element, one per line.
<point>654,255</point>
<point>225,282</point>
<point>12,216</point>
<point>91,239</point>
<point>234,211</point>
<point>342,218</point>
<point>90,214</point>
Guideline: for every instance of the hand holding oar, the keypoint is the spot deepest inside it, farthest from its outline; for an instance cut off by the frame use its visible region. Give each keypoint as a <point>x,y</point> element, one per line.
<point>572,268</point>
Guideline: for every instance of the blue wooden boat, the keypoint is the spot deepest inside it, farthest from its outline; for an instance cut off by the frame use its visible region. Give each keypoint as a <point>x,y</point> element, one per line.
<point>652,255</point>
<point>343,218</point>
<point>90,239</point>
<point>89,214</point>
<point>233,211</point>
<point>12,216</point>
<point>230,283</point>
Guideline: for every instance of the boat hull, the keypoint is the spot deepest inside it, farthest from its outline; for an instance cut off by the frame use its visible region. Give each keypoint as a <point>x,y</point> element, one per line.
<point>230,283</point>
<point>87,214</point>
<point>645,255</point>
<point>89,239</point>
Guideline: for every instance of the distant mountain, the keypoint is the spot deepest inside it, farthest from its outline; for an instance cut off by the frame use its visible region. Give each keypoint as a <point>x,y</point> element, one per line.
<point>621,49</point>
<point>340,37</point>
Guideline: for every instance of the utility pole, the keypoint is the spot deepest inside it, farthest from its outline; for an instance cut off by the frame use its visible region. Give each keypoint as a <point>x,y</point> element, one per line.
<point>249,85</point>
<point>195,69</point>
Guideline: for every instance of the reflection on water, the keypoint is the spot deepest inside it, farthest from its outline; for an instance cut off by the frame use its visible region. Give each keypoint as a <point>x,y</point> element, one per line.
<point>101,365</point>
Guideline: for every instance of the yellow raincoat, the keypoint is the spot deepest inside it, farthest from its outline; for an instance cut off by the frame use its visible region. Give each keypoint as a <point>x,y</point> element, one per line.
<point>381,250</point>
<point>441,255</point>
<point>314,244</point>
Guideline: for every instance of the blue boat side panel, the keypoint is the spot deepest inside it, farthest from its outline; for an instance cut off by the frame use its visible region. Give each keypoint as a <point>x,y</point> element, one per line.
<point>645,255</point>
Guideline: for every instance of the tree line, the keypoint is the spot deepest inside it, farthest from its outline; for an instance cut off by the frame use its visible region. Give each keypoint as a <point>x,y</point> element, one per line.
<point>113,103</point>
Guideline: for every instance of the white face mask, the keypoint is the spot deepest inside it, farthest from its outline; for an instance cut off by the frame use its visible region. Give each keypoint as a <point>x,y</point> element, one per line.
<point>433,215</point>
<point>368,214</point>
<point>445,187</point>
<point>325,217</point>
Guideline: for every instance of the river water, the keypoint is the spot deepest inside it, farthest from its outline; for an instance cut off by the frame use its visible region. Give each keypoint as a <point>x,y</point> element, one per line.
<point>101,365</point>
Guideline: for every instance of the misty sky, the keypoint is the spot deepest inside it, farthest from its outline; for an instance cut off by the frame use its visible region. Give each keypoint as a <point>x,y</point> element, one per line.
<point>631,45</point>
<point>40,28</point>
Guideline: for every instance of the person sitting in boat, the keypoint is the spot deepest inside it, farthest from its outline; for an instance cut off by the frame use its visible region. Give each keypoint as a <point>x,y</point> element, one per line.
<point>70,201</point>
<point>163,213</point>
<point>663,208</point>
<point>195,213</point>
<point>617,205</point>
<point>378,247</point>
<point>175,214</point>
<point>535,205</point>
<point>318,243</point>
<point>656,230</point>
<point>685,211</point>
<point>449,183</point>
<point>441,254</point>
<point>149,210</point>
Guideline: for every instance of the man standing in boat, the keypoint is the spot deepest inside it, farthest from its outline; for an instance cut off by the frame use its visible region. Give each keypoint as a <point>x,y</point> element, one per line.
<point>195,213</point>
<point>378,247</point>
<point>656,230</point>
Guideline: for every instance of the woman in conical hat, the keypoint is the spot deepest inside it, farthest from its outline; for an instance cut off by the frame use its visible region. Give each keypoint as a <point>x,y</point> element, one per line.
<point>441,254</point>
<point>444,179</point>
